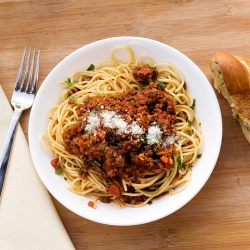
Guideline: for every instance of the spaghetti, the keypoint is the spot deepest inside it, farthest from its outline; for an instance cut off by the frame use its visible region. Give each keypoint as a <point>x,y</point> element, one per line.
<point>125,132</point>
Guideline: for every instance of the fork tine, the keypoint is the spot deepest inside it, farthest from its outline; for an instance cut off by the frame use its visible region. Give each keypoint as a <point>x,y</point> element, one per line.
<point>25,72</point>
<point>35,78</point>
<point>20,70</point>
<point>30,72</point>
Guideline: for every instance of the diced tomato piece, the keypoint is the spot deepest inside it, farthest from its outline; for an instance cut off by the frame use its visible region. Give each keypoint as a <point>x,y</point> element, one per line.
<point>164,159</point>
<point>55,164</point>
<point>114,190</point>
<point>91,204</point>
<point>107,167</point>
<point>84,176</point>
<point>152,84</point>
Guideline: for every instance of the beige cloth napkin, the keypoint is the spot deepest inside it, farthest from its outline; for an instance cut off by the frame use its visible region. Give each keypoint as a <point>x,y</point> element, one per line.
<point>28,218</point>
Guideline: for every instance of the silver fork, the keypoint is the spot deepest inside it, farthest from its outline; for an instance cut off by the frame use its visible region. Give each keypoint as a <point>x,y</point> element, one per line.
<point>22,98</point>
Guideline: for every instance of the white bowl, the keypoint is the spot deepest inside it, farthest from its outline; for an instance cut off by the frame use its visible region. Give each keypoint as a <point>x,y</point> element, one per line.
<point>207,109</point>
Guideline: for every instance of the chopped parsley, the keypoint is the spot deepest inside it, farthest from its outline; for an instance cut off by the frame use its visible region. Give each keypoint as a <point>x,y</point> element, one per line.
<point>199,156</point>
<point>132,103</point>
<point>50,117</point>
<point>72,98</point>
<point>181,166</point>
<point>91,67</point>
<point>59,171</point>
<point>156,140</point>
<point>98,106</point>
<point>193,105</point>
<point>69,83</point>
<point>97,163</point>
<point>109,180</point>
<point>143,139</point>
<point>150,203</point>
<point>159,126</point>
<point>65,179</point>
<point>102,147</point>
<point>162,84</point>
<point>144,86</point>
<point>190,124</point>
<point>151,66</point>
<point>149,80</point>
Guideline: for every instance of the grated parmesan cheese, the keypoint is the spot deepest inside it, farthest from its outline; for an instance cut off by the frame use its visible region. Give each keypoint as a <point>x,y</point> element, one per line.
<point>135,129</point>
<point>154,135</point>
<point>107,117</point>
<point>170,140</point>
<point>93,121</point>
<point>111,119</point>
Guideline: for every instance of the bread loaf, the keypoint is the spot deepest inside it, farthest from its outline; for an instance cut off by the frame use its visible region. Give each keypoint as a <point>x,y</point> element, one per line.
<point>231,75</point>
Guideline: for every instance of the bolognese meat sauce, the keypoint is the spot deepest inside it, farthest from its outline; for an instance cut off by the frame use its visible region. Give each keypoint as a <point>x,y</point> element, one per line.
<point>125,136</point>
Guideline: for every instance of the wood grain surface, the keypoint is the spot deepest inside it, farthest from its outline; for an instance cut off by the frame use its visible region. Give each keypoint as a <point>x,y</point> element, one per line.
<point>219,216</point>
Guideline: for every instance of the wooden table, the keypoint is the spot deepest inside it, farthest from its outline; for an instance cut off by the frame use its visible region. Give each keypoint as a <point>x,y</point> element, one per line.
<point>219,216</point>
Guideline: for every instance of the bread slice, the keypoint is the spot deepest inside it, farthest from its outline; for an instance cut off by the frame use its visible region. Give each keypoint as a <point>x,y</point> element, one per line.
<point>231,75</point>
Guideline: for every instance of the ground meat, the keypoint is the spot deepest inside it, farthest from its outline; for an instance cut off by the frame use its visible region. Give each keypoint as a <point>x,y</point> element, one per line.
<point>119,149</point>
<point>144,74</point>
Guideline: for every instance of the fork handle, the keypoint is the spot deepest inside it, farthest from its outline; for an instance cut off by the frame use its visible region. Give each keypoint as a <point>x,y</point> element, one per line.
<point>4,157</point>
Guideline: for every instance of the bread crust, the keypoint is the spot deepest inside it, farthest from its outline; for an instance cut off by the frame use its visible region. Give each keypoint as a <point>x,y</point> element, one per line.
<point>235,73</point>
<point>234,85</point>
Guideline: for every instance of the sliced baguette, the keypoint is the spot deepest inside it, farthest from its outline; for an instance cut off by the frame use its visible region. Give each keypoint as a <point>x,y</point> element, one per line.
<point>231,75</point>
